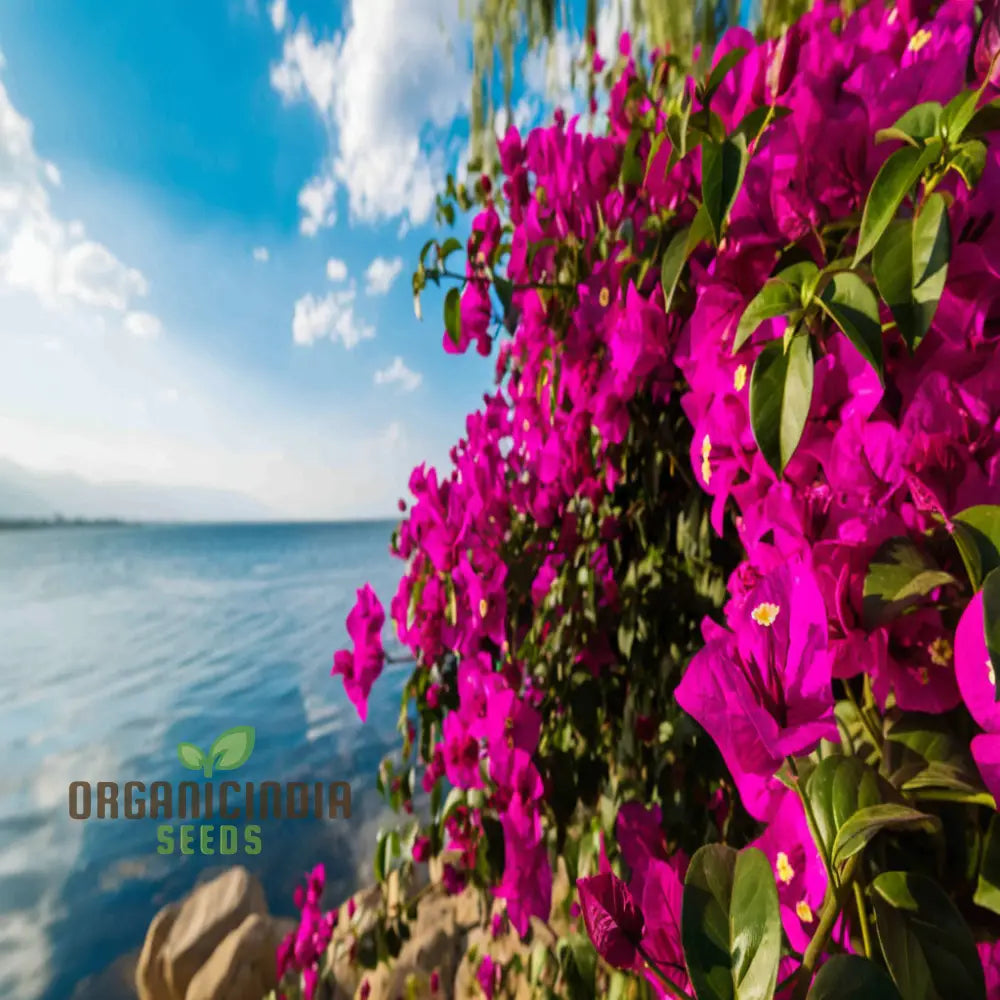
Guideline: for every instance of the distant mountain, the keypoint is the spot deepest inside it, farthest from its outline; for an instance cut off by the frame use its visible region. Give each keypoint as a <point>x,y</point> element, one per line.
<point>26,493</point>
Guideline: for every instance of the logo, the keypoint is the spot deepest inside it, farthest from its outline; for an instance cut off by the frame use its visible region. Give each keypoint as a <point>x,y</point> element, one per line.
<point>229,751</point>
<point>205,802</point>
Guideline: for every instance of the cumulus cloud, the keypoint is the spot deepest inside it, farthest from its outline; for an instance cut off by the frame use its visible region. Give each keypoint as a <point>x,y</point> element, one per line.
<point>381,273</point>
<point>336,270</point>
<point>385,126</point>
<point>261,254</point>
<point>331,317</point>
<point>40,254</point>
<point>398,372</point>
<point>279,14</point>
<point>143,325</point>
<point>316,200</point>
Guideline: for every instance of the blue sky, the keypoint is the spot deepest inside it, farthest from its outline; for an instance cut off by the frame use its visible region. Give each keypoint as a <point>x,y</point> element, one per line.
<point>173,187</point>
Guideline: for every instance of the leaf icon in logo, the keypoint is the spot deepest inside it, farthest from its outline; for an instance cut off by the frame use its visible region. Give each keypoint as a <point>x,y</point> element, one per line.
<point>191,756</point>
<point>232,748</point>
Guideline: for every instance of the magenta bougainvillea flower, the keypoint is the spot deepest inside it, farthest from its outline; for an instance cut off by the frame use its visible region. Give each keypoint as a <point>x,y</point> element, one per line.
<point>361,667</point>
<point>762,687</point>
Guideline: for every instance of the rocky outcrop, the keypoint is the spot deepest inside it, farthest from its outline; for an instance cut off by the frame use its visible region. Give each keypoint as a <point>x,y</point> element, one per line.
<point>445,929</point>
<point>219,943</point>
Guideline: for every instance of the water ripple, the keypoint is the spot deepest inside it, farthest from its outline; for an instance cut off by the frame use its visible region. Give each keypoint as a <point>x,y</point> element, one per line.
<point>120,643</point>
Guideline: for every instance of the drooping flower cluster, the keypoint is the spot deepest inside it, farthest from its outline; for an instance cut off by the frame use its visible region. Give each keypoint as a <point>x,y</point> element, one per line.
<point>301,950</point>
<point>526,561</point>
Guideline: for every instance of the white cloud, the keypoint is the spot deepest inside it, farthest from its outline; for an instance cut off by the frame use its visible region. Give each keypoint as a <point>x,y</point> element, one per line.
<point>381,273</point>
<point>316,202</point>
<point>40,254</point>
<point>336,270</point>
<point>279,14</point>
<point>143,325</point>
<point>548,73</point>
<point>387,87</point>
<point>330,317</point>
<point>261,254</point>
<point>398,372</point>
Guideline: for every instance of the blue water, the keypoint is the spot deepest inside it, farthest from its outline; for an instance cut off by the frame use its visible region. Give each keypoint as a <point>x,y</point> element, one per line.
<point>116,644</point>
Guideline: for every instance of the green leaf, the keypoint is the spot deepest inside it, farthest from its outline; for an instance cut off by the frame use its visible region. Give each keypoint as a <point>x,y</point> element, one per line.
<point>803,276</point>
<point>720,71</point>
<point>453,315</point>
<point>447,248</point>
<point>380,860</point>
<point>679,250</point>
<point>840,787</point>
<point>424,249</point>
<point>898,576</point>
<point>958,113</point>
<point>988,884</point>
<point>580,961</point>
<point>191,756</point>
<point>910,264</point>
<point>991,623</point>
<point>931,251</point>
<point>455,798</point>
<point>781,386</point>
<point>976,531</point>
<point>709,124</point>
<point>723,165</point>
<point>851,977</point>
<point>923,121</point>
<point>969,161</point>
<point>777,298</point>
<point>867,823</point>
<point>927,946</point>
<point>754,120</point>
<point>852,305</point>
<point>893,182</point>
<point>933,755</point>
<point>730,924</point>
<point>232,748</point>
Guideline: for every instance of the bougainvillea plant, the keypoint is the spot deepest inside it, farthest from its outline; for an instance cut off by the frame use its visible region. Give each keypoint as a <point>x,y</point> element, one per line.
<point>706,612</point>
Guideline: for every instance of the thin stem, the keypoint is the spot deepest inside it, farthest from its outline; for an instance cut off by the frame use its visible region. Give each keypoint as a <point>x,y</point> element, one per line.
<point>865,721</point>
<point>672,988</point>
<point>517,287</point>
<point>866,934</point>
<point>811,818</point>
<point>835,899</point>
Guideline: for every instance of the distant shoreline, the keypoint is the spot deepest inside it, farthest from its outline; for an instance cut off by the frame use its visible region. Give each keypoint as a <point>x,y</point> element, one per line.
<point>34,523</point>
<point>38,523</point>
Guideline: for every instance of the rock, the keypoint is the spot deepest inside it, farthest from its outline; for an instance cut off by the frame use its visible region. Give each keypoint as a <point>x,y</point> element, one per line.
<point>150,977</point>
<point>437,943</point>
<point>242,967</point>
<point>212,912</point>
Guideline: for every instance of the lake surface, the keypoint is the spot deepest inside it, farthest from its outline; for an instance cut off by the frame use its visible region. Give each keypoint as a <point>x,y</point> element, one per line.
<point>117,644</point>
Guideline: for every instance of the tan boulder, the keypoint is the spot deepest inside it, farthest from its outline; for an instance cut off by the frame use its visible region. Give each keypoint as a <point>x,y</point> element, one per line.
<point>207,916</point>
<point>242,967</point>
<point>150,977</point>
